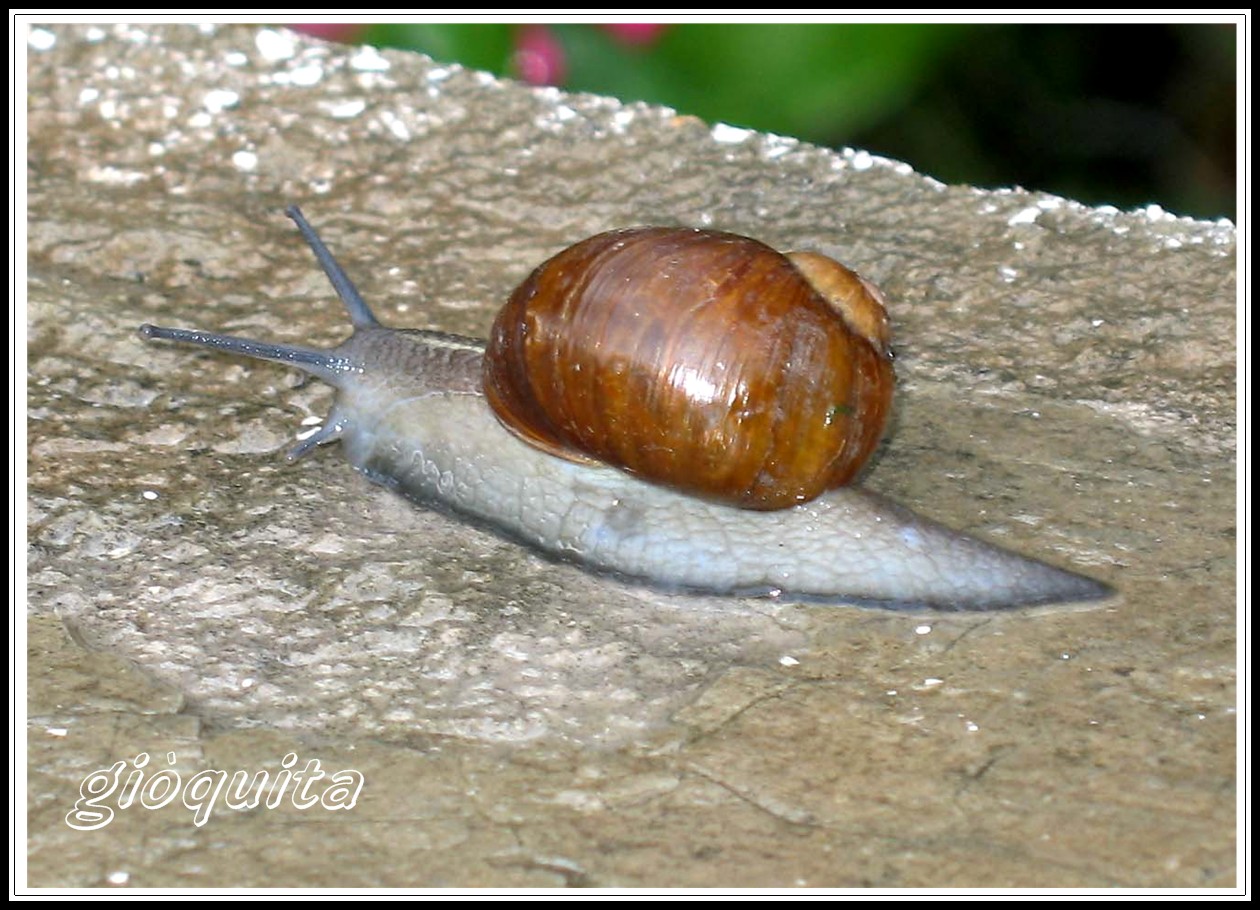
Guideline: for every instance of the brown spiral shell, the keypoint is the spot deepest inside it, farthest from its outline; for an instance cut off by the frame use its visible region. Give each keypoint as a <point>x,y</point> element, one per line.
<point>700,360</point>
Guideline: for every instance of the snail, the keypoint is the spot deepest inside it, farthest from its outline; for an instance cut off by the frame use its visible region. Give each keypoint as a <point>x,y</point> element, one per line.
<point>452,420</point>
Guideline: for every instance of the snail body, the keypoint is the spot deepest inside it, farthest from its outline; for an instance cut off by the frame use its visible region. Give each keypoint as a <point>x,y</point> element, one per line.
<point>412,413</point>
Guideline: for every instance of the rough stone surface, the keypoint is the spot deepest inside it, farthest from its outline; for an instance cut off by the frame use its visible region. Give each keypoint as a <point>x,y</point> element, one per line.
<point>1067,389</point>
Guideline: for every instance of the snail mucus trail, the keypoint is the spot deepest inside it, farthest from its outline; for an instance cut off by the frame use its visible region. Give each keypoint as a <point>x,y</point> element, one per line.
<point>411,413</point>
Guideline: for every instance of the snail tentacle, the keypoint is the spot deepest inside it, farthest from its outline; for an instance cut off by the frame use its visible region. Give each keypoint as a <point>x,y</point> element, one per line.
<point>325,365</point>
<point>361,315</point>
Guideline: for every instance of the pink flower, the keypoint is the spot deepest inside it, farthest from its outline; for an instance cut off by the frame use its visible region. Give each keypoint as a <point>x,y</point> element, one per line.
<point>539,57</point>
<point>636,34</point>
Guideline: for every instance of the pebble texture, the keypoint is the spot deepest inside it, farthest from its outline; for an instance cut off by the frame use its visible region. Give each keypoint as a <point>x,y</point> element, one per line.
<point>1066,390</point>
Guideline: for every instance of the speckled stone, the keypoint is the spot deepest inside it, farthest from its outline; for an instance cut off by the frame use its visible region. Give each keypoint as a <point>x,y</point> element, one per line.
<point>1066,389</point>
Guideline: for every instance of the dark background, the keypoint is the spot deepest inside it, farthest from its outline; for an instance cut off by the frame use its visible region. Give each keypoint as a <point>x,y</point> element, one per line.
<point>1119,114</point>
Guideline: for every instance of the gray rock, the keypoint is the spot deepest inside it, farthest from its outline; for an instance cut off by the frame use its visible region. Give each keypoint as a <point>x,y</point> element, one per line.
<point>1066,389</point>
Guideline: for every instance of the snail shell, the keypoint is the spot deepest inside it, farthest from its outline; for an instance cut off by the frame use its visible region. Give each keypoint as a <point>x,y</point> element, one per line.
<point>701,360</point>
<point>411,413</point>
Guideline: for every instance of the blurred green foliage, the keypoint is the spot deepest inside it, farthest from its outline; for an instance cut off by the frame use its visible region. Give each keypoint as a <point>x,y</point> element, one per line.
<point>1120,114</point>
